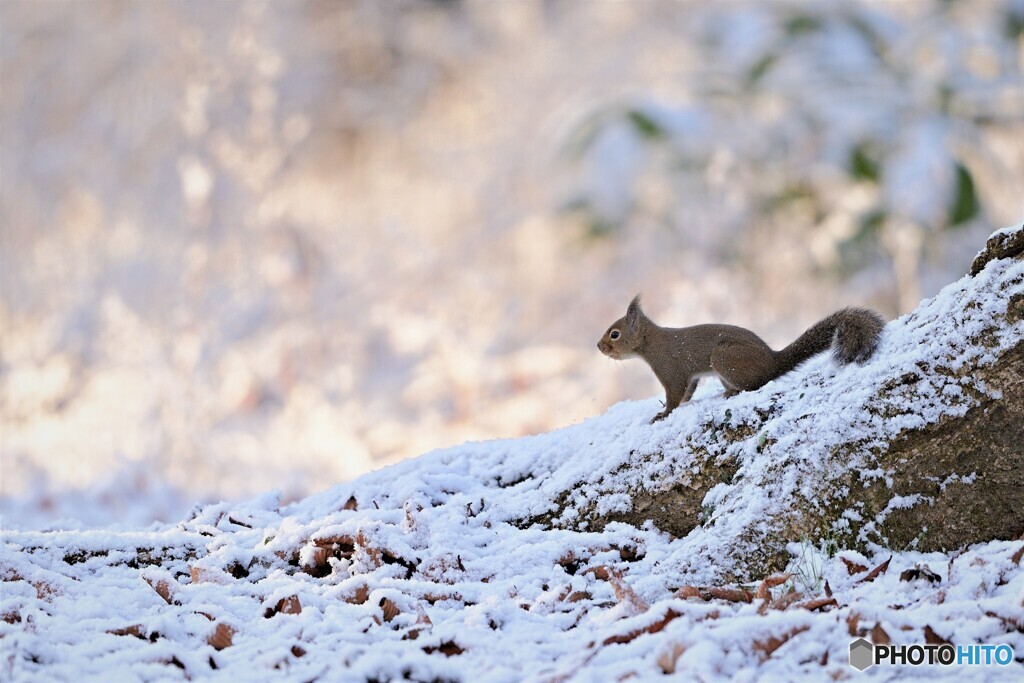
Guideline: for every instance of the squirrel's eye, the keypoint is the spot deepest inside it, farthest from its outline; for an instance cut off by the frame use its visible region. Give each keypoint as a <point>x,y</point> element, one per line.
<point>614,335</point>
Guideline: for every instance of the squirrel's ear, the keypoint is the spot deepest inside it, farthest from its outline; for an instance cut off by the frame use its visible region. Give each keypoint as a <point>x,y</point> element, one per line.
<point>634,314</point>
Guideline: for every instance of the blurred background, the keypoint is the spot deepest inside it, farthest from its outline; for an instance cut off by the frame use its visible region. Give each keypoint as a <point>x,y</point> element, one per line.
<point>259,245</point>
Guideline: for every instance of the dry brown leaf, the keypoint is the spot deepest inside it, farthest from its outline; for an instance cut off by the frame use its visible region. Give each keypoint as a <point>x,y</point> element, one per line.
<point>12,617</point>
<point>669,656</point>
<point>162,588</point>
<point>852,621</point>
<point>877,571</point>
<point>730,594</point>
<point>819,604</point>
<point>422,624</point>
<point>221,637</point>
<point>1016,557</point>
<point>687,592</point>
<point>785,601</point>
<point>933,638</point>
<point>1009,622</point>
<point>448,648</point>
<point>137,630</point>
<point>433,598</point>
<point>317,564</point>
<point>346,544</point>
<point>350,504</point>
<point>852,567</point>
<point>828,589</point>
<point>390,609</point>
<point>650,628</point>
<point>767,647</point>
<point>623,591</point>
<point>879,636</point>
<point>764,589</point>
<point>289,605</point>
<point>298,651</point>
<point>372,553</point>
<point>206,575</point>
<point>359,596</point>
<point>577,596</point>
<point>919,572</point>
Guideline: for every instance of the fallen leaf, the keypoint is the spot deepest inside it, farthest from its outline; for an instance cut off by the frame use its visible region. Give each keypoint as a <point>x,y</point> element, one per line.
<point>879,636</point>
<point>221,637</point>
<point>623,591</point>
<point>162,588</point>
<point>650,628</point>
<point>767,647</point>
<point>877,571</point>
<point>137,630</point>
<point>919,572</point>
<point>852,567</point>
<point>933,638</point>
<point>206,575</point>
<point>448,648</point>
<point>730,594</point>
<point>390,609</point>
<point>374,554</point>
<point>852,620</point>
<point>819,604</point>
<point>361,595</point>
<point>787,600</point>
<point>350,504</point>
<point>289,605</point>
<point>687,592</point>
<point>669,656</point>
<point>1016,557</point>
<point>423,623</point>
<point>764,589</point>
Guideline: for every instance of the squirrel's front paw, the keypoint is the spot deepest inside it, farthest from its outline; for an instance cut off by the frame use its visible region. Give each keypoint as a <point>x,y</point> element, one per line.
<point>659,417</point>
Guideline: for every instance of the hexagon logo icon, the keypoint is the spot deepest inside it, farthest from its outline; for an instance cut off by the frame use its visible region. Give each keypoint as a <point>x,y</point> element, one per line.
<point>862,654</point>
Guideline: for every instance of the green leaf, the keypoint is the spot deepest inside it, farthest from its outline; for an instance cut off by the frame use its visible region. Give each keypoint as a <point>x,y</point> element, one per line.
<point>802,23</point>
<point>760,68</point>
<point>965,204</point>
<point>863,164</point>
<point>645,125</point>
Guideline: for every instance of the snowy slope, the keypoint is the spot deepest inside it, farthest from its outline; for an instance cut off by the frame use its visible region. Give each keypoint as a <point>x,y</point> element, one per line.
<point>427,570</point>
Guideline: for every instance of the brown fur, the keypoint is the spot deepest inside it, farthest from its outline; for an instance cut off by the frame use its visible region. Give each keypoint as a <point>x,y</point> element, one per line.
<point>679,357</point>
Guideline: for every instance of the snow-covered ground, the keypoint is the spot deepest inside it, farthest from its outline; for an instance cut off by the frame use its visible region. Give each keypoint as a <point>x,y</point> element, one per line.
<point>427,571</point>
<point>424,576</point>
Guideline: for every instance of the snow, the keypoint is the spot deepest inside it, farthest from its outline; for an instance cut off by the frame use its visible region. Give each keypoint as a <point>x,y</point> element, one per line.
<point>432,569</point>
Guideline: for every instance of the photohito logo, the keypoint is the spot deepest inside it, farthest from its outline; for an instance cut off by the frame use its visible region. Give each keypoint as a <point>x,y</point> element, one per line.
<point>864,654</point>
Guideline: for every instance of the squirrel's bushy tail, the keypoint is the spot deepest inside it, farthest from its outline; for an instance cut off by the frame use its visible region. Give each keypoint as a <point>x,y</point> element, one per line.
<point>852,333</point>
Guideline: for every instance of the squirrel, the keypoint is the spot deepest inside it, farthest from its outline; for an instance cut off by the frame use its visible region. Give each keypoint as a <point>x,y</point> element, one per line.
<point>679,357</point>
